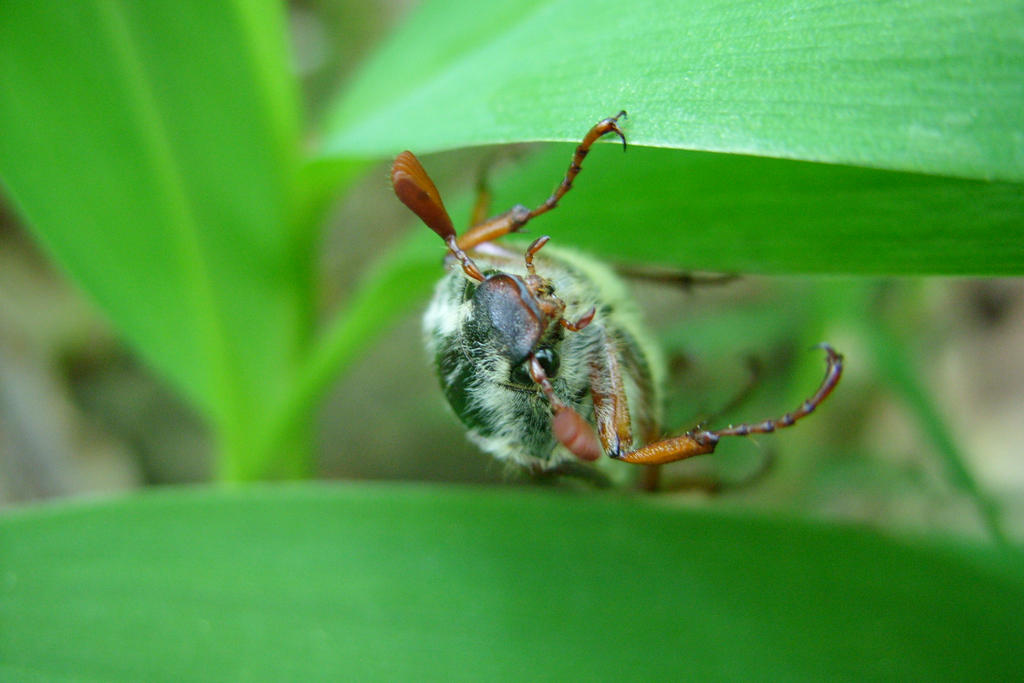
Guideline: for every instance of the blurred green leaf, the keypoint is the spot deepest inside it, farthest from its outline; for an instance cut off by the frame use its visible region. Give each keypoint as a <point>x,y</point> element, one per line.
<point>402,583</point>
<point>893,356</point>
<point>153,149</point>
<point>394,284</point>
<point>926,86</point>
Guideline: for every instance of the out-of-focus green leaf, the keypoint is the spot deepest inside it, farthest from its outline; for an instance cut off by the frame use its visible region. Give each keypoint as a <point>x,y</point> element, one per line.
<point>400,583</point>
<point>929,86</point>
<point>893,356</point>
<point>153,149</point>
<point>394,284</point>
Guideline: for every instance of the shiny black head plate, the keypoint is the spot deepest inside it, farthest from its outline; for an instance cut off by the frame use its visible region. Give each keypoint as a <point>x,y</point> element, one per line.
<point>516,323</point>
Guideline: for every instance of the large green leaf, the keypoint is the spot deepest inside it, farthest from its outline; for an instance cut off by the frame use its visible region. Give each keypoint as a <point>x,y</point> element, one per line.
<point>402,583</point>
<point>153,149</point>
<point>752,215</point>
<point>932,86</point>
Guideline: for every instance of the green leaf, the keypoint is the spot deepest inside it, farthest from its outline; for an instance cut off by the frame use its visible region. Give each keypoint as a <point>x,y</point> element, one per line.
<point>404,583</point>
<point>931,87</point>
<point>153,149</point>
<point>927,86</point>
<point>731,213</point>
<point>893,356</point>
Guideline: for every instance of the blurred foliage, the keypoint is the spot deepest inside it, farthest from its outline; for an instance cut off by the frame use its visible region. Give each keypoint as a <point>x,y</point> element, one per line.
<point>179,163</point>
<point>201,208</point>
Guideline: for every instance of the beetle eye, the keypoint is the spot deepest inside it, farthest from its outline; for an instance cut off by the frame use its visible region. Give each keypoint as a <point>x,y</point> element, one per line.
<point>549,360</point>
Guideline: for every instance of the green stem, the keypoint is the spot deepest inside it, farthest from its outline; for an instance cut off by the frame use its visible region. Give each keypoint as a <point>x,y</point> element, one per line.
<point>390,289</point>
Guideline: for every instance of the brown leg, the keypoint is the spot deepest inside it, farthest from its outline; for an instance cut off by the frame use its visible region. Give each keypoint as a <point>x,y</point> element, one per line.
<point>518,216</point>
<point>702,442</point>
<point>482,205</point>
<point>672,277</point>
<point>602,128</point>
<point>611,411</point>
<point>574,470</point>
<point>713,484</point>
<point>614,430</point>
<point>568,426</point>
<point>650,480</point>
<point>417,191</point>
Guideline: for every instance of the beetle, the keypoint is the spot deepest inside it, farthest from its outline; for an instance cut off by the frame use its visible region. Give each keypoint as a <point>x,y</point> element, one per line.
<point>543,355</point>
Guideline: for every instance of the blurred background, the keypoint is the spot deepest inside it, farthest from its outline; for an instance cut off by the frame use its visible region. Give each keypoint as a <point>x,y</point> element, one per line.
<point>925,433</point>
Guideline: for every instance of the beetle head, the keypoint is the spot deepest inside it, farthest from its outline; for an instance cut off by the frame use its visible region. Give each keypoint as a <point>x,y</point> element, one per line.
<point>517,312</point>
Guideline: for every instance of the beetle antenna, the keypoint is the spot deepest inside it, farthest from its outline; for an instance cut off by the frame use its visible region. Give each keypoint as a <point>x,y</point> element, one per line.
<point>417,191</point>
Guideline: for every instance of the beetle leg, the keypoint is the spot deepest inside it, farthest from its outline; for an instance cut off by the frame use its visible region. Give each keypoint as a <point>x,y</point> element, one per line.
<point>496,227</point>
<point>482,204</point>
<point>702,442</point>
<point>602,128</point>
<point>673,277</point>
<point>615,422</point>
<point>574,469</point>
<point>611,411</point>
<point>518,216</point>
<point>583,321</point>
<point>568,426</point>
